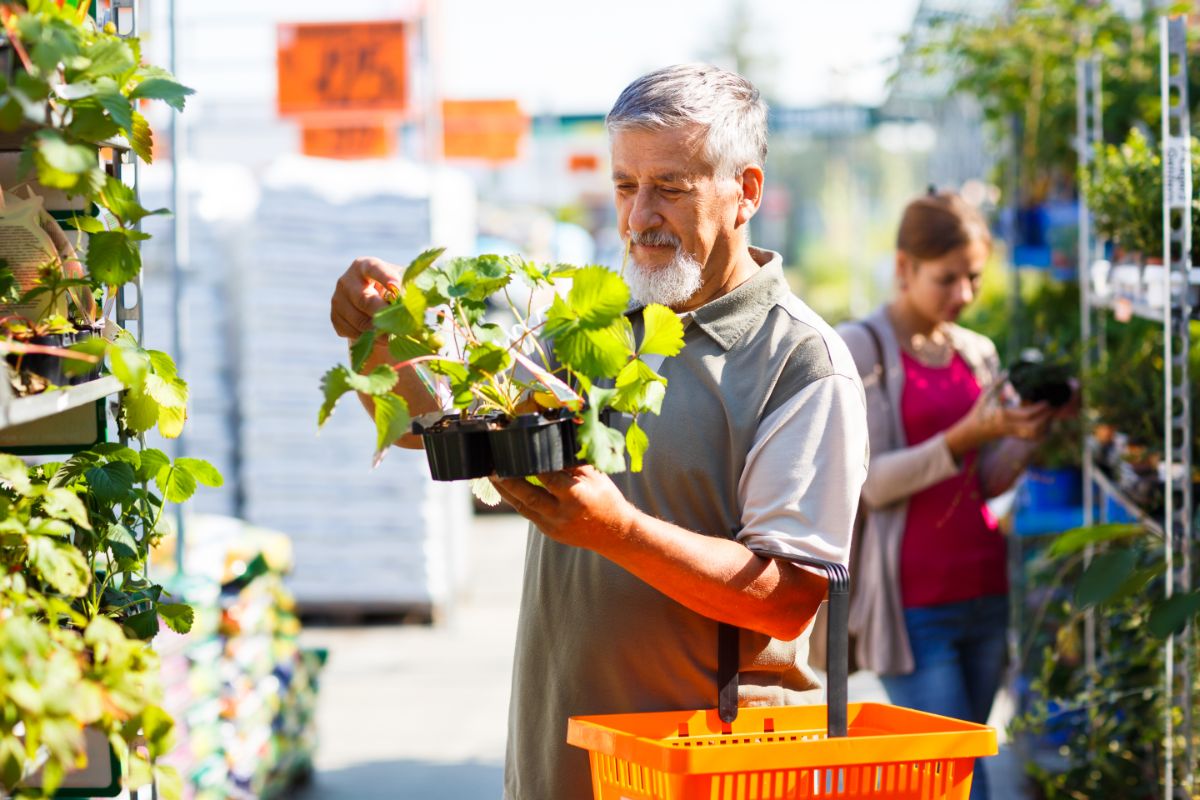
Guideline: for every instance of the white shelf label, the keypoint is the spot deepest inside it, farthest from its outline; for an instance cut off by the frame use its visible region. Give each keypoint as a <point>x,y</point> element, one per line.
<point>1177,177</point>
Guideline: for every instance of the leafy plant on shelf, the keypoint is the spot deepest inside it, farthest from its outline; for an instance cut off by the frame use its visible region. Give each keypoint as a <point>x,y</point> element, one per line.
<point>76,91</point>
<point>75,539</point>
<point>581,359</point>
<point>1123,188</point>
<point>1107,723</point>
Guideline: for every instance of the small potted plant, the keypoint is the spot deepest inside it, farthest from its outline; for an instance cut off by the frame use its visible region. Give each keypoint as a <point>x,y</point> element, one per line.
<point>533,399</point>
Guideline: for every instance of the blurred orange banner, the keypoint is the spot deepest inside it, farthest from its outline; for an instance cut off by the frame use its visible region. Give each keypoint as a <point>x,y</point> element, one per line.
<point>483,129</point>
<point>342,67</point>
<point>364,141</point>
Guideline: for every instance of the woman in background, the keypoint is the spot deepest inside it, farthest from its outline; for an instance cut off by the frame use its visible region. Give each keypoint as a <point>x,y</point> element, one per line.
<point>930,605</point>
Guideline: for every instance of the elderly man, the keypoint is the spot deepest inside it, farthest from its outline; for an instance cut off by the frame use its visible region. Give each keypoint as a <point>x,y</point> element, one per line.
<point>761,443</point>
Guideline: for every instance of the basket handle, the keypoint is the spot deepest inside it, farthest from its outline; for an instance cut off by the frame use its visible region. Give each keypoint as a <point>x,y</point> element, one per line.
<point>837,647</point>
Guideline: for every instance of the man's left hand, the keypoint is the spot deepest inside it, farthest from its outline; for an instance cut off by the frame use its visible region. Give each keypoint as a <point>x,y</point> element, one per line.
<point>579,506</point>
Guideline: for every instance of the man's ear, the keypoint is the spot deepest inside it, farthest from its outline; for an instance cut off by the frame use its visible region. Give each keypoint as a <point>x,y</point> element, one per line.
<point>750,196</point>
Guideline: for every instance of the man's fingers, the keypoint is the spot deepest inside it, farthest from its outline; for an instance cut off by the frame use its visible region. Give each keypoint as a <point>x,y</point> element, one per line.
<point>379,271</point>
<point>347,327</point>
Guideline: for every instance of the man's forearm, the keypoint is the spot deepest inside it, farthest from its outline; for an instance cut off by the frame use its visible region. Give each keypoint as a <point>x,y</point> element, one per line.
<point>717,577</point>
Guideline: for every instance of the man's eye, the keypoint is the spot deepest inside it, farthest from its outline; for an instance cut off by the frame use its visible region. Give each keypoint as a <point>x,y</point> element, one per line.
<point>670,190</point>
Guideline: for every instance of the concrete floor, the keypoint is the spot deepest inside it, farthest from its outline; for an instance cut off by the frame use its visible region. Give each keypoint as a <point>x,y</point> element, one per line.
<point>409,711</point>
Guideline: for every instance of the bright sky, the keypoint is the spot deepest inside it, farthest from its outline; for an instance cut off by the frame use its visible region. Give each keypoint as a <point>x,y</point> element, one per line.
<point>574,56</point>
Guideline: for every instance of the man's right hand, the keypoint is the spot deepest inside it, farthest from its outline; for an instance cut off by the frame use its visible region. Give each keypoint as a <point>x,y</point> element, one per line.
<point>360,293</point>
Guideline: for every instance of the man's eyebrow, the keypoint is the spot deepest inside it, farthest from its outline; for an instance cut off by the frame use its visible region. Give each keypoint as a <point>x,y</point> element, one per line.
<point>664,177</point>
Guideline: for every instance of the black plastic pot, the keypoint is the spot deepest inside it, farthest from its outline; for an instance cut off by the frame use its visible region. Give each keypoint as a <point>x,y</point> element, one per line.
<point>457,449</point>
<point>1036,381</point>
<point>532,444</point>
<point>53,368</point>
<point>93,371</point>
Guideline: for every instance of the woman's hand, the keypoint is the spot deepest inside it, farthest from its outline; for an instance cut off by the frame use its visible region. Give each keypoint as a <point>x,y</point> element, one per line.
<point>989,420</point>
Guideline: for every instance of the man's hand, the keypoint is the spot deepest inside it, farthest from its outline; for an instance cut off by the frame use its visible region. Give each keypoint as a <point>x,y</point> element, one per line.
<point>580,506</point>
<point>360,293</point>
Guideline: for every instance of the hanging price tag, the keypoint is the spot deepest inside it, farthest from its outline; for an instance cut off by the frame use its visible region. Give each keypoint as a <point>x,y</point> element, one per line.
<point>1176,174</point>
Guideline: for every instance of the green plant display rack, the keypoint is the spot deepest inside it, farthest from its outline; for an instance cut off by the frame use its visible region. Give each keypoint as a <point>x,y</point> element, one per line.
<point>1176,527</point>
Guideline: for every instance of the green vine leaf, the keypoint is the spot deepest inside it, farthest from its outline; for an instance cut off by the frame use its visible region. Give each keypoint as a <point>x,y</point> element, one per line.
<point>379,381</point>
<point>391,422</point>
<point>171,421</point>
<point>60,564</point>
<point>177,484</point>
<point>170,92</point>
<point>111,483</point>
<point>113,257</point>
<point>664,331</point>
<point>361,349</point>
<point>1104,576</point>
<point>65,504</point>
<point>204,472</point>
<point>334,384</point>
<point>421,263</point>
<point>152,460</point>
<point>600,445</point>
<point>637,443</point>
<point>178,616</point>
<point>1170,616</point>
<point>121,541</point>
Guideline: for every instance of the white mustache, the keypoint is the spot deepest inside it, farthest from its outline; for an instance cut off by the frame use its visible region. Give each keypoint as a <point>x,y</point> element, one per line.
<point>654,239</point>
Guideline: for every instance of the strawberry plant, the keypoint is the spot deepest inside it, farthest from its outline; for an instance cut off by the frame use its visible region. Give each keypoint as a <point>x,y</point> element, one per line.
<point>539,394</point>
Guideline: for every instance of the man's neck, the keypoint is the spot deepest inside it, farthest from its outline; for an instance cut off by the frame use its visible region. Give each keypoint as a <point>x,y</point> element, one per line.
<point>734,274</point>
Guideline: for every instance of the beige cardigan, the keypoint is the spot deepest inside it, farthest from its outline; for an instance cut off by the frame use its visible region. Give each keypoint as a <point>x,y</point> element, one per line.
<point>898,471</point>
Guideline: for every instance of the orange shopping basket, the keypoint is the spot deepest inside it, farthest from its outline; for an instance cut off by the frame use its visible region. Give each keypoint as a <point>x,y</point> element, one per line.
<point>864,750</point>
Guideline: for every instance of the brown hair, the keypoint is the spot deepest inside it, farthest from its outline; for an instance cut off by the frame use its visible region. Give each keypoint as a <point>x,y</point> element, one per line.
<point>938,223</point>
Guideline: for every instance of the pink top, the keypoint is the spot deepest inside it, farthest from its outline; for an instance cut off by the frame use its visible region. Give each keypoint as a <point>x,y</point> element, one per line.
<point>952,550</point>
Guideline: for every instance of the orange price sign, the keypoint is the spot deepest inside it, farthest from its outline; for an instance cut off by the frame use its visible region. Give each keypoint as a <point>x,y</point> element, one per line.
<point>342,67</point>
<point>360,141</point>
<point>484,129</point>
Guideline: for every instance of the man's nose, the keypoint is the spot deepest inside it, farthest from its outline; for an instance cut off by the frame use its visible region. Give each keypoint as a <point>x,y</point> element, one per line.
<point>643,214</point>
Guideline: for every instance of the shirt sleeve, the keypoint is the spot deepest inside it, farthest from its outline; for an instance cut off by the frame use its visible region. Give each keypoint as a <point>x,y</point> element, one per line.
<point>800,487</point>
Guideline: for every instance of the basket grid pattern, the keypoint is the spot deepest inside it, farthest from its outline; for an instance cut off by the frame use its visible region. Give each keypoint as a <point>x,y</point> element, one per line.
<point>619,779</point>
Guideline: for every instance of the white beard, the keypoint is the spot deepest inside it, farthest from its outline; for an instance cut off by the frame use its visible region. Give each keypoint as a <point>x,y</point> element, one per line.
<point>671,285</point>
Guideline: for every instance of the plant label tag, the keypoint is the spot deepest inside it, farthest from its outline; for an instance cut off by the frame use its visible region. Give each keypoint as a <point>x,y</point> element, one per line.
<point>1177,173</point>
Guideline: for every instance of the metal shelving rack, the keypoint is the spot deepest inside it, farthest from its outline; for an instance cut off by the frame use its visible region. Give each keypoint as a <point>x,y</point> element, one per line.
<point>1175,314</point>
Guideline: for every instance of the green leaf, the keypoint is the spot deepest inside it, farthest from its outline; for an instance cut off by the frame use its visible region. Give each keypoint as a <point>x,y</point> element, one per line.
<point>142,139</point>
<point>171,421</point>
<point>379,381</point>
<point>111,483</point>
<point>14,472</point>
<point>139,411</point>
<point>594,353</point>
<point>143,625</point>
<point>89,123</point>
<point>65,504</point>
<point>600,445</point>
<point>121,200</point>
<point>1077,539</point>
<point>489,359</point>
<point>57,153</point>
<point>87,224</point>
<point>421,263</point>
<point>121,541</point>
<point>177,485</point>
<point>168,782</point>
<point>405,316</point>
<point>162,364</point>
<point>334,384</point>
<point>204,472</point>
<point>598,297</point>
<point>113,257</point>
<point>391,422</point>
<point>73,469</point>
<point>664,331</point>
<point>1104,576</point>
<point>119,109</point>
<point>179,617</point>
<point>361,349</point>
<point>637,443</point>
<point>153,460</point>
<point>639,389</point>
<point>60,564</point>
<point>169,393</point>
<point>1170,616</point>
<point>109,57</point>
<point>173,94</point>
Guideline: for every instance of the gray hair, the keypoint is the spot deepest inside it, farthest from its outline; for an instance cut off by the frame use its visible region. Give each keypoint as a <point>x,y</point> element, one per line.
<point>725,104</point>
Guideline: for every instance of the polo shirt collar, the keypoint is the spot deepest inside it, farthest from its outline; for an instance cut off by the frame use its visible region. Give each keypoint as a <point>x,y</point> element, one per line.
<point>731,315</point>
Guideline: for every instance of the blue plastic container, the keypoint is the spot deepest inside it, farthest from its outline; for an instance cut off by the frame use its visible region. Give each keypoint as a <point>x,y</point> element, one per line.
<point>1043,489</point>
